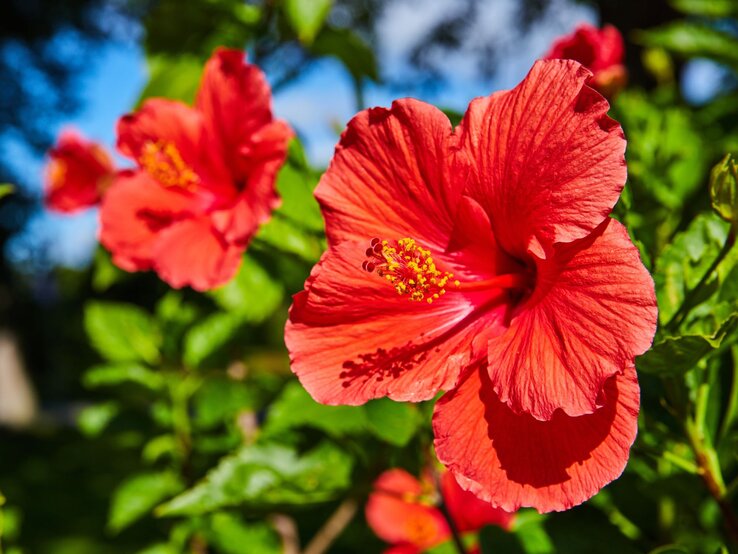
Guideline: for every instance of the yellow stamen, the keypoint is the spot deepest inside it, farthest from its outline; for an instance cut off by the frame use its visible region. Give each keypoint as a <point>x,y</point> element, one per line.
<point>163,162</point>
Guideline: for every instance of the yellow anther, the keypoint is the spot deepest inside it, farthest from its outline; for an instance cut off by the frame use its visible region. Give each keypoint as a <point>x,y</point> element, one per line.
<point>163,162</point>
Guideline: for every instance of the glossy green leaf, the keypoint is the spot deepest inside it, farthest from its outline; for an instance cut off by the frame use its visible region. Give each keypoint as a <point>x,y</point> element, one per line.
<point>253,294</point>
<point>93,420</point>
<point>295,408</point>
<point>122,332</point>
<point>230,534</point>
<point>724,189</point>
<point>173,77</point>
<point>267,475</point>
<point>306,17</point>
<point>137,496</point>
<point>286,236</point>
<point>694,40</point>
<point>676,355</point>
<point>348,47</point>
<point>296,185</point>
<point>709,8</point>
<point>117,374</point>
<point>210,335</point>
<point>393,422</point>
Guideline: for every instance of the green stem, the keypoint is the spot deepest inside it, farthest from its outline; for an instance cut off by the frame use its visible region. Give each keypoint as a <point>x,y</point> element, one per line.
<point>689,299</point>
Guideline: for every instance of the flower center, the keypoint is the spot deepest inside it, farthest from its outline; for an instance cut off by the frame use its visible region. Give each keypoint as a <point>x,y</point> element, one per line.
<point>163,162</point>
<point>410,269</point>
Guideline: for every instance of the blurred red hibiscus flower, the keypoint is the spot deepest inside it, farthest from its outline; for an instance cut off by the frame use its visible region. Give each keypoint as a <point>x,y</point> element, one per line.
<point>599,50</point>
<point>78,173</point>
<point>204,180</point>
<point>483,259</point>
<point>403,511</point>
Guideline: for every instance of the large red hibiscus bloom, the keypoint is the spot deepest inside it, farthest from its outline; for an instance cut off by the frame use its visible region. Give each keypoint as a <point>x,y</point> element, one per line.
<point>204,180</point>
<point>483,259</point>
<point>599,50</point>
<point>78,173</point>
<point>403,511</point>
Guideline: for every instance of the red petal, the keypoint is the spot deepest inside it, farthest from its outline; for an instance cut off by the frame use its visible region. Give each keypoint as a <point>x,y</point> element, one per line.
<point>548,163</point>
<point>391,177</point>
<point>266,154</point>
<point>161,120</point>
<point>468,512</point>
<point>191,252</point>
<point>352,338</point>
<point>77,173</point>
<point>134,210</point>
<point>514,460</point>
<point>235,100</point>
<point>395,514</point>
<point>592,311</point>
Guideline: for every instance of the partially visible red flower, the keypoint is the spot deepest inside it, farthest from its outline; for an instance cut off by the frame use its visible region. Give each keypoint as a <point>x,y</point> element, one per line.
<point>204,181</point>
<point>483,261</point>
<point>78,173</point>
<point>599,50</point>
<point>403,512</point>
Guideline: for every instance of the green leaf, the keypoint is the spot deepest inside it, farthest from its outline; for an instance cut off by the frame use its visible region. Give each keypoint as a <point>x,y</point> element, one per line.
<point>694,40</point>
<point>307,17</point>
<point>683,263</point>
<point>230,534</point>
<point>296,185</point>
<point>393,422</point>
<point>724,189</point>
<point>6,189</point>
<point>160,548</point>
<point>267,475</point>
<point>122,332</point>
<point>676,355</point>
<point>219,400</point>
<point>116,374</point>
<point>172,77</point>
<point>295,408</point>
<point>285,236</point>
<point>137,496</point>
<point>104,272</point>
<point>348,47</point>
<point>93,420</point>
<point>210,335</point>
<point>708,8</point>
<point>253,294</point>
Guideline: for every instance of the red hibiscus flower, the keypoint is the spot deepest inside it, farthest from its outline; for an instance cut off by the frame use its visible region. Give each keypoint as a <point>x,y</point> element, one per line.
<point>77,174</point>
<point>482,259</point>
<point>402,511</point>
<point>204,181</point>
<point>599,50</point>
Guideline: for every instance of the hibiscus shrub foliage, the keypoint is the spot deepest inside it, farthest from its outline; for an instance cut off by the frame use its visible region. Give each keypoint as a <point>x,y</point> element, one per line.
<point>516,332</point>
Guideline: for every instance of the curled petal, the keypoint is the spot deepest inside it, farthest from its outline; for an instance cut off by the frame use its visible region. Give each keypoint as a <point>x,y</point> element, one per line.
<point>548,163</point>
<point>352,338</point>
<point>592,311</point>
<point>513,460</point>
<point>191,252</point>
<point>391,176</point>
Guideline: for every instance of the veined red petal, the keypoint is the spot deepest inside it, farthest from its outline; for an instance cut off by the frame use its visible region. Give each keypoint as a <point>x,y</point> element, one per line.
<point>134,210</point>
<point>468,512</point>
<point>513,460</point>
<point>235,100</point>
<point>396,515</point>
<point>352,338</point>
<point>592,312</point>
<point>391,175</point>
<point>191,252</point>
<point>548,163</point>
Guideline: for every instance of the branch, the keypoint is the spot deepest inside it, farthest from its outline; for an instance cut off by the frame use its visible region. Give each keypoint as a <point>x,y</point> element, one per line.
<point>332,528</point>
